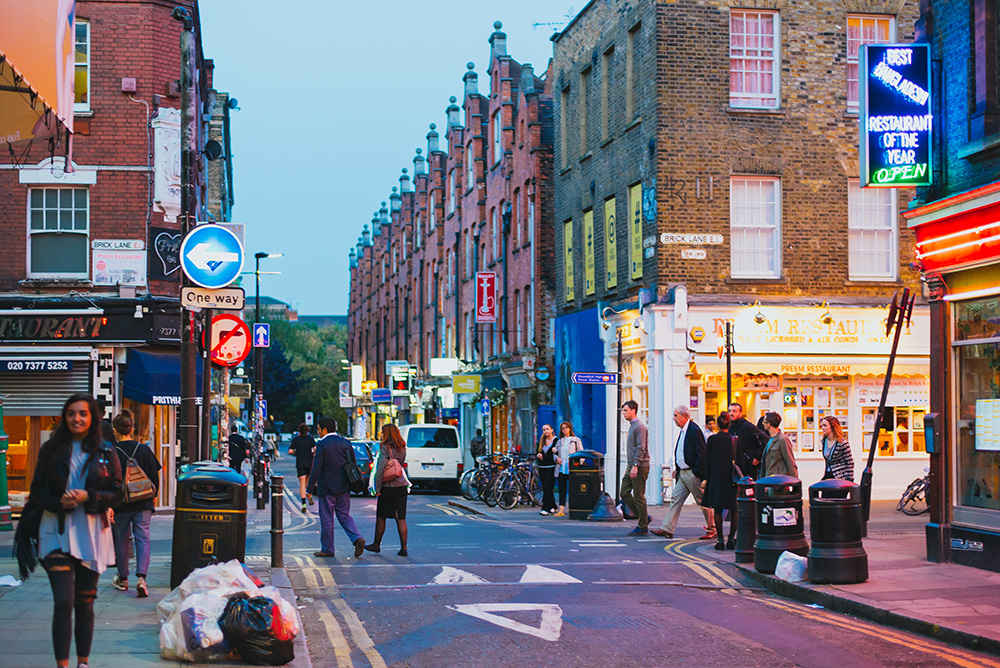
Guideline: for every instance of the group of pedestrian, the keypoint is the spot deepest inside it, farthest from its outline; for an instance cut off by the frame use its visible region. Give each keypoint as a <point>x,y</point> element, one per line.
<point>553,464</point>
<point>708,470</point>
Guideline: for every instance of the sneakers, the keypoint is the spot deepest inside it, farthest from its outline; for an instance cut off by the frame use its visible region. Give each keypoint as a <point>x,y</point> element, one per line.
<point>638,531</point>
<point>359,547</point>
<point>141,590</point>
<point>304,511</point>
<point>543,512</point>
<point>310,497</point>
<point>119,584</point>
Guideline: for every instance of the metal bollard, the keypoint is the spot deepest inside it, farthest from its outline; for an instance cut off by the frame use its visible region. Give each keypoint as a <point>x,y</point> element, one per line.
<point>258,484</point>
<point>746,527</point>
<point>277,521</point>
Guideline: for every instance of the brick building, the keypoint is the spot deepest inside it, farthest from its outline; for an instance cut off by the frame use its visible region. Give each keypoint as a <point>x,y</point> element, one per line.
<point>89,272</point>
<point>958,248</point>
<point>706,171</point>
<point>477,202</point>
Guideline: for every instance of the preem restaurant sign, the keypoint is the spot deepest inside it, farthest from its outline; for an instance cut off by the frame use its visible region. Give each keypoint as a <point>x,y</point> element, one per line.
<point>895,111</point>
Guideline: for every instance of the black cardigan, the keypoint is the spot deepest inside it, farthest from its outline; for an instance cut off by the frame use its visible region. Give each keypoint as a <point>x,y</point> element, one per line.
<point>103,483</point>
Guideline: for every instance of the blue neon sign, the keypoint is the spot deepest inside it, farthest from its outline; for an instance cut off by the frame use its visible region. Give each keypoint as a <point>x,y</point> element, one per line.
<point>895,115</point>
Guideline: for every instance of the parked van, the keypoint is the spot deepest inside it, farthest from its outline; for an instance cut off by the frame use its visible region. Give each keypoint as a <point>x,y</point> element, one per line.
<point>434,455</point>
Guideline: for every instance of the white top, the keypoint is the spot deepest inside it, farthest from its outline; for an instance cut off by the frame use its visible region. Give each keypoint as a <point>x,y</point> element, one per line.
<point>566,448</point>
<point>679,448</point>
<point>85,536</point>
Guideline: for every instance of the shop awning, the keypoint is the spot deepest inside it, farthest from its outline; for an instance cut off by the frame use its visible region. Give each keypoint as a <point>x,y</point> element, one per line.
<point>799,365</point>
<point>155,378</point>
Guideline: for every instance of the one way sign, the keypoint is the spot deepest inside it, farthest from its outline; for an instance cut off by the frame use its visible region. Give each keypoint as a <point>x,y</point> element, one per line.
<point>261,335</point>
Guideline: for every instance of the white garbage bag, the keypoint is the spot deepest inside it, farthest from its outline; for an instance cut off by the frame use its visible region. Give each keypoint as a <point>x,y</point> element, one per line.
<point>289,613</point>
<point>791,567</point>
<point>192,633</point>
<point>224,580</point>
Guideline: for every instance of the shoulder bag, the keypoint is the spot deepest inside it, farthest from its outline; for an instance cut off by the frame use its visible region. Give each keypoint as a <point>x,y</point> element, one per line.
<point>393,469</point>
<point>355,480</point>
<point>138,486</point>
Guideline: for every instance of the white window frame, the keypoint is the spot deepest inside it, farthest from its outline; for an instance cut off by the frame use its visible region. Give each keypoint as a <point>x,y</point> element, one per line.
<point>872,213</point>
<point>383,270</point>
<point>493,233</point>
<point>451,189</point>
<point>470,166</point>
<point>418,232</point>
<point>758,217</point>
<point>85,274</point>
<point>743,98</point>
<point>497,136</point>
<point>82,106</point>
<point>854,44</point>
<point>431,215</point>
<point>403,244</point>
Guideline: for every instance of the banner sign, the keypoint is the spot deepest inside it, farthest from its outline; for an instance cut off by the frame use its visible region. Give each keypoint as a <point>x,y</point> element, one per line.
<point>895,115</point>
<point>486,296</point>
<point>570,277</point>
<point>466,383</point>
<point>635,229</point>
<point>610,244</point>
<point>588,252</point>
<point>119,267</point>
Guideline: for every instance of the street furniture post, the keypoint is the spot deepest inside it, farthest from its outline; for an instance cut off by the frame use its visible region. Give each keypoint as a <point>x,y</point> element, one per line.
<point>277,521</point>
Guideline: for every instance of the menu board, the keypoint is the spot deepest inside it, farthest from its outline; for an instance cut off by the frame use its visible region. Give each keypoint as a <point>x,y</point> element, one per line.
<point>988,424</point>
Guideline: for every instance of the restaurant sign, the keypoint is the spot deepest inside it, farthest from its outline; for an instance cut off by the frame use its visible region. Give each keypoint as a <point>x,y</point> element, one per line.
<point>73,328</point>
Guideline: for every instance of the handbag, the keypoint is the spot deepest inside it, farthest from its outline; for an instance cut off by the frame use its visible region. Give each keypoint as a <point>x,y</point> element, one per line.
<point>355,480</point>
<point>138,486</point>
<point>26,538</point>
<point>393,469</point>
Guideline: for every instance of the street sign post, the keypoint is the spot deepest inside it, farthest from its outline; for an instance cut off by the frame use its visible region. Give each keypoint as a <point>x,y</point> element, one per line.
<point>224,299</point>
<point>211,256</point>
<point>309,418</point>
<point>261,335</point>
<point>587,378</point>
<point>230,343</point>
<point>346,400</point>
<point>485,406</point>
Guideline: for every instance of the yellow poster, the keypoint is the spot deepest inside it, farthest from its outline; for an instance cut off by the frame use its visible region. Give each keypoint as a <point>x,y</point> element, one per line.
<point>588,251</point>
<point>568,254</point>
<point>611,243</point>
<point>635,229</point>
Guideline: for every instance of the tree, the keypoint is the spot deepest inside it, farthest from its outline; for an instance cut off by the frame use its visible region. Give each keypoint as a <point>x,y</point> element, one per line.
<point>281,382</point>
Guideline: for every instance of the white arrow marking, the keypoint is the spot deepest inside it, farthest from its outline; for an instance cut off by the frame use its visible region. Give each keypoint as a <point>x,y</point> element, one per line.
<point>449,575</point>
<point>261,336</point>
<point>208,260</point>
<point>535,573</point>
<point>548,629</point>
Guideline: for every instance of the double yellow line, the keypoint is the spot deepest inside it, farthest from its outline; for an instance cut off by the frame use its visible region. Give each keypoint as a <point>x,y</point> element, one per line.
<point>709,570</point>
<point>446,509</point>
<point>325,610</point>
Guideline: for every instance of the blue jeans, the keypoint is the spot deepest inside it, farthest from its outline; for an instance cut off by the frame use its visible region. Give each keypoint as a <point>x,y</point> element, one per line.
<point>135,522</point>
<point>338,505</point>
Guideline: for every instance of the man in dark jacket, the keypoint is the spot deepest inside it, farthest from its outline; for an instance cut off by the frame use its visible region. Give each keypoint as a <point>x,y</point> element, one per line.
<point>329,481</point>
<point>237,450</point>
<point>303,447</point>
<point>477,446</point>
<point>750,440</point>
<point>689,474</point>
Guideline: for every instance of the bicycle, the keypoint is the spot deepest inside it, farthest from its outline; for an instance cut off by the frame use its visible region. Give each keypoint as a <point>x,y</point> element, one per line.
<point>518,484</point>
<point>914,499</point>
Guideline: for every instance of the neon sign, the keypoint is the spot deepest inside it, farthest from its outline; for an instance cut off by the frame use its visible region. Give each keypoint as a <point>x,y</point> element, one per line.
<point>896,119</point>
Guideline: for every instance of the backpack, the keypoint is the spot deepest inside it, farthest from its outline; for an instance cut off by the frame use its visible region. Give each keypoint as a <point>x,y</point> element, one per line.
<point>138,486</point>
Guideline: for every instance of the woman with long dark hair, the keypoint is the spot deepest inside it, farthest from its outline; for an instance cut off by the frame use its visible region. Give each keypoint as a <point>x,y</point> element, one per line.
<point>547,469</point>
<point>720,490</point>
<point>77,480</point>
<point>567,445</point>
<point>391,493</point>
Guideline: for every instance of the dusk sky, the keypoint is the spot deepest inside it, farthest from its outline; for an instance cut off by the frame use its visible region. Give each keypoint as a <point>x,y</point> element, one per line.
<point>334,99</point>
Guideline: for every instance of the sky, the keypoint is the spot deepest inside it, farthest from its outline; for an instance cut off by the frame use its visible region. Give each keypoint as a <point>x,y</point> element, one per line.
<point>334,98</point>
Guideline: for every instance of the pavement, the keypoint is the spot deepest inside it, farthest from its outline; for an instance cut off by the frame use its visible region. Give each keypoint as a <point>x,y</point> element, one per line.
<point>951,603</point>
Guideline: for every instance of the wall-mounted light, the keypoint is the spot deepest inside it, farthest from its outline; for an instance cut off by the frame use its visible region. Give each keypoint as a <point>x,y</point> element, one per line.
<point>759,317</point>
<point>138,312</point>
<point>606,325</point>
<point>827,317</point>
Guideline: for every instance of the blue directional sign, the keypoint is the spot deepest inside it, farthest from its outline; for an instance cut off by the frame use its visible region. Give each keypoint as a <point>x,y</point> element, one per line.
<point>211,256</point>
<point>261,335</point>
<point>595,378</point>
<point>382,395</point>
<point>485,408</point>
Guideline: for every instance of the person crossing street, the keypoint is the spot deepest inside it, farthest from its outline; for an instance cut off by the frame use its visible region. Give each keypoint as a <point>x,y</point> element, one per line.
<point>328,480</point>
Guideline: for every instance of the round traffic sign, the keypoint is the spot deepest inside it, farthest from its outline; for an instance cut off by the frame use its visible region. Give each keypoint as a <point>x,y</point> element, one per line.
<point>230,340</point>
<point>211,256</point>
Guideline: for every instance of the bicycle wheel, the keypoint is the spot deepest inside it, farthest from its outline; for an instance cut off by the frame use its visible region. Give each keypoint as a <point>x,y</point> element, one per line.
<point>490,495</point>
<point>484,483</point>
<point>507,491</point>
<point>914,499</point>
<point>466,484</point>
<point>535,492</point>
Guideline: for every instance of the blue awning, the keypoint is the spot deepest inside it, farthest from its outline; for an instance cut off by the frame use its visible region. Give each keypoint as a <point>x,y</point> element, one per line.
<point>155,378</point>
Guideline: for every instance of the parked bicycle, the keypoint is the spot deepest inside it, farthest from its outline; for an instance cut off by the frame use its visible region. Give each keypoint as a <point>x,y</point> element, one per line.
<point>914,499</point>
<point>518,483</point>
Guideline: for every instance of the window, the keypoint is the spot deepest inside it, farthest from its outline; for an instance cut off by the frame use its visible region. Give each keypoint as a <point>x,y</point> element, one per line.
<point>493,234</point>
<point>568,258</point>
<point>531,217</point>
<point>468,254</point>
<point>81,79</point>
<point>383,270</point>
<point>753,59</point>
<point>497,137</point>
<point>515,225</point>
<point>605,92</point>
<point>467,351</point>
<point>452,270</point>
<point>871,222</point>
<point>451,191</point>
<point>755,227</point>
<point>431,214</point>
<point>418,232</point>
<point>863,30</point>
<point>563,124</point>
<point>430,281</point>
<point>403,244</point>
<point>529,314</point>
<point>470,166</point>
<point>630,74</point>
<point>584,78</point>
<point>59,222</point>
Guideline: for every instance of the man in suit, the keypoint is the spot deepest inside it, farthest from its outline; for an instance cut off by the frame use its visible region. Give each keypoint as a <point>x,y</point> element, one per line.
<point>328,480</point>
<point>689,471</point>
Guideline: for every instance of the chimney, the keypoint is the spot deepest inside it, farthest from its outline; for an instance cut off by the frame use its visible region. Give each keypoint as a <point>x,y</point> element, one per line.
<point>433,145</point>
<point>527,84</point>
<point>452,112</point>
<point>471,80</point>
<point>498,42</point>
<point>404,182</point>
<point>419,164</point>
<point>376,227</point>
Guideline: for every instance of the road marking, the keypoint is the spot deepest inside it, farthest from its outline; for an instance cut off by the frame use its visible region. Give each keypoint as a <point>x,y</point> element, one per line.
<point>449,575</point>
<point>439,524</point>
<point>549,628</point>
<point>446,509</point>
<point>539,574</point>
<point>600,545</point>
<point>359,635</point>
<point>596,540</point>
<point>333,631</point>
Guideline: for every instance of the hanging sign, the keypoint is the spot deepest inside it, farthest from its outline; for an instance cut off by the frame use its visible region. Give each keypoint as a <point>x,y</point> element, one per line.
<point>895,115</point>
<point>486,296</point>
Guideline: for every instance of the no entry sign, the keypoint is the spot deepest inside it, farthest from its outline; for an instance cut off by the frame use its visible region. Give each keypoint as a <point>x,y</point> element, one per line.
<point>230,340</point>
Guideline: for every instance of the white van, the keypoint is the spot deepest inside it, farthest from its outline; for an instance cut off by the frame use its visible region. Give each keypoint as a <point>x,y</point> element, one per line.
<point>434,455</point>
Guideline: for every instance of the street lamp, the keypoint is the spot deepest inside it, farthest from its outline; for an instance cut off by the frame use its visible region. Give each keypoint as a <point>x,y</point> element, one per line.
<point>618,409</point>
<point>258,387</point>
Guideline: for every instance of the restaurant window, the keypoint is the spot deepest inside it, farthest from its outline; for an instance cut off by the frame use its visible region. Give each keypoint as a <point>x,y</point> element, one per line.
<point>864,30</point>
<point>755,224</point>
<point>58,225</point>
<point>81,79</point>
<point>872,240</point>
<point>977,362</point>
<point>753,59</point>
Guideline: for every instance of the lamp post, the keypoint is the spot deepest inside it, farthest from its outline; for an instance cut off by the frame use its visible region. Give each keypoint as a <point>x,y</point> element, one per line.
<point>258,389</point>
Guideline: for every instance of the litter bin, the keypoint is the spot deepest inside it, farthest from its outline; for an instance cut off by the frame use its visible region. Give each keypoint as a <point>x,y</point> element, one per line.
<point>835,529</point>
<point>746,528</point>
<point>586,471</point>
<point>210,518</point>
<point>780,525</point>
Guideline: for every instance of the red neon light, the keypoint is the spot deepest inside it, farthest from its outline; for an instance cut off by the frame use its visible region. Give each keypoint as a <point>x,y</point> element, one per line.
<point>969,238</point>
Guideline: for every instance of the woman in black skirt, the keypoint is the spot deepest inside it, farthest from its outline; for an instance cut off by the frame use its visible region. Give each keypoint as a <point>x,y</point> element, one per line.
<point>391,493</point>
<point>720,490</point>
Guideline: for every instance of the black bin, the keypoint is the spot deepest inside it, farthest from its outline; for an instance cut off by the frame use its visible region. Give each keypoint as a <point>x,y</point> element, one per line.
<point>746,528</point>
<point>780,525</point>
<point>586,472</point>
<point>835,530</point>
<point>210,518</point>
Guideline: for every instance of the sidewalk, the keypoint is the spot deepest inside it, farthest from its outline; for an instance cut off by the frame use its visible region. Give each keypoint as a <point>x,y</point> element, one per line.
<point>952,603</point>
<point>127,631</point>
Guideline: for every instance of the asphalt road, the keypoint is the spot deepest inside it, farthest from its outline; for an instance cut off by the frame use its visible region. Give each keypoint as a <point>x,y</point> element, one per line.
<point>521,589</point>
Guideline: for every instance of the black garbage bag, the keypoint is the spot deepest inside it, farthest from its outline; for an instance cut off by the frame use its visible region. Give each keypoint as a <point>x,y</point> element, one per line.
<point>253,626</point>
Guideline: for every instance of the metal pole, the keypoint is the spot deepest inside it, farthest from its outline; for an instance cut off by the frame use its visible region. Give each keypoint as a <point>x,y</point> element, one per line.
<point>729,364</point>
<point>187,425</point>
<point>258,464</point>
<point>277,520</point>
<point>618,428</point>
<point>206,389</point>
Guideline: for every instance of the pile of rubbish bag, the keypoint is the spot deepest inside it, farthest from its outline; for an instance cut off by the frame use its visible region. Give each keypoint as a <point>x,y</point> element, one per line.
<point>221,609</point>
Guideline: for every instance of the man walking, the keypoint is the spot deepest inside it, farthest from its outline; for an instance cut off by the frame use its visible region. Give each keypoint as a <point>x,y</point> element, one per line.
<point>777,458</point>
<point>689,473</point>
<point>303,447</point>
<point>237,450</point>
<point>637,467</point>
<point>478,447</point>
<point>328,480</point>
<point>749,440</point>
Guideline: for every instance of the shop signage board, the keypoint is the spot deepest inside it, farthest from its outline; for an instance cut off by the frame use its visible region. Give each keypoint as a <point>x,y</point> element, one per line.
<point>34,366</point>
<point>486,297</point>
<point>600,378</point>
<point>118,244</point>
<point>392,365</point>
<point>895,115</point>
<point>211,256</point>
<point>902,391</point>
<point>239,390</point>
<point>400,381</point>
<point>466,383</point>
<point>230,340</point>
<point>74,326</point>
<point>382,395</point>
<point>118,267</point>
<point>223,299</point>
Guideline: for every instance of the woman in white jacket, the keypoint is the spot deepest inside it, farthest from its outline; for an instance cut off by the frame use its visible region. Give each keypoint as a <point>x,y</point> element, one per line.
<point>567,445</point>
